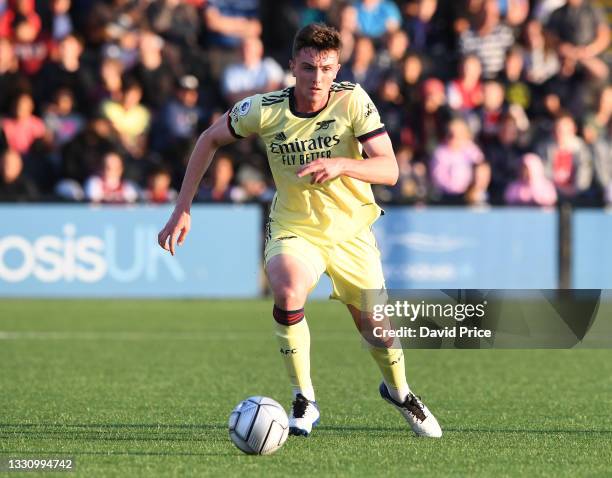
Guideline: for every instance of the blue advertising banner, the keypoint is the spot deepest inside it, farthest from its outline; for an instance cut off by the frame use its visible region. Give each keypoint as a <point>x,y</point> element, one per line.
<point>469,248</point>
<point>591,249</point>
<point>455,248</point>
<point>89,251</point>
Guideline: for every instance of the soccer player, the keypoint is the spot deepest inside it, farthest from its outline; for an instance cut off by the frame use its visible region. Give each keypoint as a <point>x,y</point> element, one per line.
<point>321,216</point>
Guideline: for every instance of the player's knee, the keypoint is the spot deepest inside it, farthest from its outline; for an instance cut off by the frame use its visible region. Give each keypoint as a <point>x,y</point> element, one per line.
<point>290,297</point>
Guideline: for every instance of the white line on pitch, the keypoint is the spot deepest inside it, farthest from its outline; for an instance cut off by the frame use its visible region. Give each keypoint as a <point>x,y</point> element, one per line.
<point>246,335</point>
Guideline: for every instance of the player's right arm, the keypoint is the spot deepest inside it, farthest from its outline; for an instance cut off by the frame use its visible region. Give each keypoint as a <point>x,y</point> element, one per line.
<point>177,227</point>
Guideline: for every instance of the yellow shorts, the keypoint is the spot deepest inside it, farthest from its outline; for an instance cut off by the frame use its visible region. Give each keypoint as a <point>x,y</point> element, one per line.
<point>353,266</point>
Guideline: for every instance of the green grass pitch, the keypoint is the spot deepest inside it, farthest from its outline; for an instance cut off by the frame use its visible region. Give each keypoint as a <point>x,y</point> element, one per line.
<point>144,388</point>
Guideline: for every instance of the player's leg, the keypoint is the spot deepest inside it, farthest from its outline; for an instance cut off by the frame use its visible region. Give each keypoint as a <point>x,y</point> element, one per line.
<point>387,354</point>
<point>294,266</point>
<point>290,281</point>
<point>356,269</point>
<point>389,357</point>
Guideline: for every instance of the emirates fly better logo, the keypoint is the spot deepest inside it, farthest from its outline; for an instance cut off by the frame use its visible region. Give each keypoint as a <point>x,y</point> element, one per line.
<point>303,151</point>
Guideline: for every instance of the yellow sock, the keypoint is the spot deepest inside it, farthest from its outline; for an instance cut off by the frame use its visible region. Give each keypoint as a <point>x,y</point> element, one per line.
<point>294,343</point>
<point>391,364</point>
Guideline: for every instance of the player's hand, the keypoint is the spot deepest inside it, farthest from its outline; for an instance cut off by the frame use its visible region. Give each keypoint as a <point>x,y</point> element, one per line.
<point>175,231</point>
<point>322,170</point>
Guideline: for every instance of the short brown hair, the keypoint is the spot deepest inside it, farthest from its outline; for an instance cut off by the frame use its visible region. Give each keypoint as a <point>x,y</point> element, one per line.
<point>318,36</point>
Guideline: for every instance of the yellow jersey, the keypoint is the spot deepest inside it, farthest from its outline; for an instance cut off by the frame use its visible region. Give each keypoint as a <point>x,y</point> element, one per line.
<point>325,213</point>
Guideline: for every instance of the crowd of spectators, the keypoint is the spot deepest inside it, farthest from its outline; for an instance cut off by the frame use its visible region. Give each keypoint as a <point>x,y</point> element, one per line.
<point>486,101</point>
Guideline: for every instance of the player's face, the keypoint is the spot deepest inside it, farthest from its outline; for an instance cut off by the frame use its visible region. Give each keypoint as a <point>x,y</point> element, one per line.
<point>314,73</point>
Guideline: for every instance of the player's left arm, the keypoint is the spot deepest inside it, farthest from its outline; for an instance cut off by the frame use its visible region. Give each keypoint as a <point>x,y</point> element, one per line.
<point>380,167</point>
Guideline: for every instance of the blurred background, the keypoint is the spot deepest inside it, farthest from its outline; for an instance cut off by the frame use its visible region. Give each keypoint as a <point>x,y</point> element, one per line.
<point>499,112</point>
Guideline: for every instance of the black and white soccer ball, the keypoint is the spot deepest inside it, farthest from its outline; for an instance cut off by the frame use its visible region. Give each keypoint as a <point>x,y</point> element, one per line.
<point>258,426</point>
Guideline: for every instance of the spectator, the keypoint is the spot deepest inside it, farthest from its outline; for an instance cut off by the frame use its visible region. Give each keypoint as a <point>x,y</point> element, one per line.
<point>216,186</point>
<point>82,155</point>
<point>158,186</point>
<point>419,26</point>
<point>111,84</point>
<point>14,186</point>
<point>65,71</point>
<point>31,49</point>
<point>348,26</point>
<point>412,82</point>
<point>228,22</point>
<point>489,39</point>
<point>123,39</point>
<point>108,186</point>
<point>362,68</point>
<point>504,155</point>
<point>467,14</point>
<point>567,91</point>
<point>581,34</point>
<point>532,188</point>
<point>61,22</point>
<point>392,55</point>
<point>315,11</point>
<point>152,72</point>
<point>10,79</point>
<point>24,127</point>
<point>567,159</point>
<point>277,36</point>
<point>465,93</point>
<point>62,122</point>
<point>106,21</point>
<point>517,90</point>
<point>390,107</point>
<point>122,42</point>
<point>430,33</point>
<point>129,117</point>
<point>602,159</point>
<point>598,122</point>
<point>93,20</point>
<point>179,121</point>
<point>544,8</point>
<point>514,11</point>
<point>251,186</point>
<point>458,170</point>
<point>21,10</point>
<point>492,110</point>
<point>176,21</point>
<point>429,125</point>
<point>541,60</point>
<point>254,74</point>
<point>377,17</point>
<point>412,184</point>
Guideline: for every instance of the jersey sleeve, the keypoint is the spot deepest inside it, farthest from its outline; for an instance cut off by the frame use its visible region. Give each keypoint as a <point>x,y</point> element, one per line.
<point>364,115</point>
<point>244,119</point>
